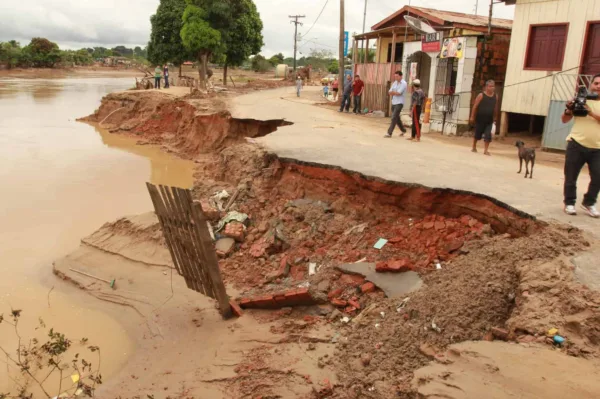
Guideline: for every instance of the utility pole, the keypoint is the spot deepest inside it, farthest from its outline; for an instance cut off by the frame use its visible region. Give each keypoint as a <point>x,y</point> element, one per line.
<point>341,77</point>
<point>476,7</point>
<point>365,17</point>
<point>490,18</point>
<point>296,23</point>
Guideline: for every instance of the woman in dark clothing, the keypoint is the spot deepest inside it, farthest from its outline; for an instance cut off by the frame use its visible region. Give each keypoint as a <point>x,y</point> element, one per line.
<point>166,75</point>
<point>485,116</point>
<point>416,106</point>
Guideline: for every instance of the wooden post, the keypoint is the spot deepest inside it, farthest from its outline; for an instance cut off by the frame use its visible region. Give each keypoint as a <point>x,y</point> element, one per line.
<point>531,124</point>
<point>377,54</point>
<point>503,124</point>
<point>367,52</point>
<point>393,56</point>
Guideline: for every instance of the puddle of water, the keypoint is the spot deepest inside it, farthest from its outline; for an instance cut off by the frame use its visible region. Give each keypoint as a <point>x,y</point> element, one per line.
<point>62,180</point>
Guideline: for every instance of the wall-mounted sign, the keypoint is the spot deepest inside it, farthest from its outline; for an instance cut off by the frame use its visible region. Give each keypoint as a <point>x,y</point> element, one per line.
<point>431,42</point>
<point>453,47</point>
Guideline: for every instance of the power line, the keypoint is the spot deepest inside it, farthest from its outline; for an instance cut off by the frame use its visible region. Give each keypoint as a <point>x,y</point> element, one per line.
<point>316,20</point>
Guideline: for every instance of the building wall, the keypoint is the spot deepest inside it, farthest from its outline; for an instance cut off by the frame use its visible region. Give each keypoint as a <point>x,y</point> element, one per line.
<point>533,98</point>
<point>457,121</point>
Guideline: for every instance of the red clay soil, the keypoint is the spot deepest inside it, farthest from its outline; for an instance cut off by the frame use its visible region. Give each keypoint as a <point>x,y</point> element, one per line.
<point>189,127</point>
<point>303,213</point>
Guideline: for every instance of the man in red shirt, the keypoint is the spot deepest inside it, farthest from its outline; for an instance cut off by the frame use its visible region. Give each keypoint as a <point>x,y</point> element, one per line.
<point>357,90</point>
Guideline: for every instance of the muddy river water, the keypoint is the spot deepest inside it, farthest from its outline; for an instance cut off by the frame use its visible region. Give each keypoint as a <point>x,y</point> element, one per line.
<point>61,180</point>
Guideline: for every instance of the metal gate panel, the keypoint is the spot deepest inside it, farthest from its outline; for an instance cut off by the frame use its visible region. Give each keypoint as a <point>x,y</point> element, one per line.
<point>564,88</point>
<point>555,131</point>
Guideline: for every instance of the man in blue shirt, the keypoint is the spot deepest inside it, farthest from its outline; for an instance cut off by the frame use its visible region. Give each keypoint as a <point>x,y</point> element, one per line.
<point>346,94</point>
<point>397,92</point>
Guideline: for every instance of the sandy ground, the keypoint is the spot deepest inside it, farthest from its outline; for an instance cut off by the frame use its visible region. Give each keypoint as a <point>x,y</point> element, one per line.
<point>306,352</point>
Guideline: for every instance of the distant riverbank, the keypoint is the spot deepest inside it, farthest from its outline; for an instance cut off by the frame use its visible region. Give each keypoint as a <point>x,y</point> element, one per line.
<point>61,73</point>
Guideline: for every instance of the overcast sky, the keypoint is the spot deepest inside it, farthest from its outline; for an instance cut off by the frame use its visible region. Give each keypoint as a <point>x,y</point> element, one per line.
<point>88,23</point>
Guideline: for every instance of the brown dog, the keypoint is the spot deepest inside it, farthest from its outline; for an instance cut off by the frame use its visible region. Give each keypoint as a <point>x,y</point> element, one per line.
<point>527,155</point>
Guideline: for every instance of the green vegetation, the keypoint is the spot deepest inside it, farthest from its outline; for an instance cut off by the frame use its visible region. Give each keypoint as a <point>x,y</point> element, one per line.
<point>33,365</point>
<point>42,53</point>
<point>165,43</point>
<point>223,31</point>
<point>334,67</point>
<point>260,64</point>
<point>276,59</point>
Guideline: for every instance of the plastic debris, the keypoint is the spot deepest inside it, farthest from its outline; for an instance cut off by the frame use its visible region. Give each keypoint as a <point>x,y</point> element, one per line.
<point>218,200</point>
<point>402,304</point>
<point>233,216</point>
<point>356,229</point>
<point>559,340</point>
<point>211,231</point>
<point>380,243</point>
<point>305,284</point>
<point>312,269</point>
<point>552,332</point>
<point>377,325</point>
<point>438,266</point>
<point>434,327</point>
<point>345,319</point>
<point>382,315</point>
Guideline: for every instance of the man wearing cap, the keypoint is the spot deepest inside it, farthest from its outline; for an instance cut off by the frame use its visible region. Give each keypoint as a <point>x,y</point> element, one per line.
<point>416,105</point>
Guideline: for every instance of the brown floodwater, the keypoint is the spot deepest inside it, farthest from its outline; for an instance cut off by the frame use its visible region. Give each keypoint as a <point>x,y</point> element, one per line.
<point>61,180</point>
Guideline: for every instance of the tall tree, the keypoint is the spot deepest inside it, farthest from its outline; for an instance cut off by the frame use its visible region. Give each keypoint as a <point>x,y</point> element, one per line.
<point>165,43</point>
<point>243,36</point>
<point>199,37</point>
<point>42,53</point>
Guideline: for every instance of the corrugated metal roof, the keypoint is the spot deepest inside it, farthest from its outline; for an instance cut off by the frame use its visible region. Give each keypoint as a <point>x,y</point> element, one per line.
<point>441,16</point>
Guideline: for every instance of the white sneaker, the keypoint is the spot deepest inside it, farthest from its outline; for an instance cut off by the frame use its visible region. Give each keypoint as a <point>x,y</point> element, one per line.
<point>591,210</point>
<point>570,210</point>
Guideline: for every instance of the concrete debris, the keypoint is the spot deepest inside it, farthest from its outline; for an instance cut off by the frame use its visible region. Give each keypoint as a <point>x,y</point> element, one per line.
<point>393,285</point>
<point>224,246</point>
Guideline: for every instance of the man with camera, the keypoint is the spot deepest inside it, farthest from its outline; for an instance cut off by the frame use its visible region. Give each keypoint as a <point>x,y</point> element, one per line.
<point>583,148</point>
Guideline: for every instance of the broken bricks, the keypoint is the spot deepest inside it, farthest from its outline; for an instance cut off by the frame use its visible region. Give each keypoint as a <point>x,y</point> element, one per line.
<point>235,230</point>
<point>394,266</point>
<point>289,298</point>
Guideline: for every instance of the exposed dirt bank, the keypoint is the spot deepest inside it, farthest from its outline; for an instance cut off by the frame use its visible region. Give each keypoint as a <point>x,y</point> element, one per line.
<point>489,272</point>
<point>188,127</point>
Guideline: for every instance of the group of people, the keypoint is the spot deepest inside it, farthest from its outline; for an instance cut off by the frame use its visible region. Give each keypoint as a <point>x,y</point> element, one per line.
<point>334,90</point>
<point>159,73</point>
<point>417,100</point>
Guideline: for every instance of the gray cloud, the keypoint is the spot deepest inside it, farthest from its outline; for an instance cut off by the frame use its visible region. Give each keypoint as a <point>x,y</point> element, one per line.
<point>88,23</point>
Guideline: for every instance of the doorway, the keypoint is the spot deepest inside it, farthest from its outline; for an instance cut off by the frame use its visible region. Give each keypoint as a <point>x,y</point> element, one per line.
<point>423,68</point>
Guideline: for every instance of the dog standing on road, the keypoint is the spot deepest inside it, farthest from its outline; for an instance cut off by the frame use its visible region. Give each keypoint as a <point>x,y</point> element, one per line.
<point>527,155</point>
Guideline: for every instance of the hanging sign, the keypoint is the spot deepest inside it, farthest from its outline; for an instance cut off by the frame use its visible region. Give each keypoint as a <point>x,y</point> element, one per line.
<point>453,47</point>
<point>431,42</point>
<point>346,40</point>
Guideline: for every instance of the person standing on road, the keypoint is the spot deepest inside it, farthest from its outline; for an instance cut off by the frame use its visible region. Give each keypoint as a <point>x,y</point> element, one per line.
<point>416,106</point>
<point>357,91</point>
<point>397,92</point>
<point>485,116</point>
<point>298,85</point>
<point>157,76</point>
<point>583,147</point>
<point>166,75</point>
<point>335,86</point>
<point>347,92</point>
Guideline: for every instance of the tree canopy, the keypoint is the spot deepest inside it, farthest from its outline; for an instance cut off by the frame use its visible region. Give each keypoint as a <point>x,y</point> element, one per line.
<point>199,37</point>
<point>237,23</point>
<point>166,44</point>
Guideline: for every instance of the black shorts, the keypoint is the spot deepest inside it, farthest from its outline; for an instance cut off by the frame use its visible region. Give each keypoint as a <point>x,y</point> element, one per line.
<point>483,131</point>
<point>335,90</point>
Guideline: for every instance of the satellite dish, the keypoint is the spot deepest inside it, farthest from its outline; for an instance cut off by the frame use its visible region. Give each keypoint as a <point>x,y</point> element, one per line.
<point>418,25</point>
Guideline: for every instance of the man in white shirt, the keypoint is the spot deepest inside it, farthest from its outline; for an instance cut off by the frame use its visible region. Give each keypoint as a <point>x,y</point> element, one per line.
<point>397,92</point>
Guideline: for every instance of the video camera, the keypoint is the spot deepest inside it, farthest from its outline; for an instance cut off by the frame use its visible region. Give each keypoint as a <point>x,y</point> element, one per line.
<point>580,101</point>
